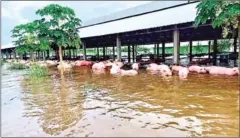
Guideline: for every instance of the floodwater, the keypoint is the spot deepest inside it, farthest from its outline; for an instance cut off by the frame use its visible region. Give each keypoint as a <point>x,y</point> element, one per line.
<point>81,103</point>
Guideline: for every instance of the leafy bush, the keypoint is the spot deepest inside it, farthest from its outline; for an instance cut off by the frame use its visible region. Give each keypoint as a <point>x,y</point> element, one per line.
<point>17,66</point>
<point>38,71</point>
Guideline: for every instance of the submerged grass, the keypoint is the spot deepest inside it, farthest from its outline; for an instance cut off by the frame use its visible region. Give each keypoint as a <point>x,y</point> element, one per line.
<point>3,62</point>
<point>17,66</point>
<point>38,71</point>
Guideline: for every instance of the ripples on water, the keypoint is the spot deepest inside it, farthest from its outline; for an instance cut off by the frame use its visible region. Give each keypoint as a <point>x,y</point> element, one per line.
<point>81,103</point>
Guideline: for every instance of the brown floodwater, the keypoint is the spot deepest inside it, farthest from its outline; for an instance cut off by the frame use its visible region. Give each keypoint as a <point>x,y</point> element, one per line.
<point>81,103</point>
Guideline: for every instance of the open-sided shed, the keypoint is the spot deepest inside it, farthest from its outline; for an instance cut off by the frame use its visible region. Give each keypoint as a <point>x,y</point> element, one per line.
<point>170,23</point>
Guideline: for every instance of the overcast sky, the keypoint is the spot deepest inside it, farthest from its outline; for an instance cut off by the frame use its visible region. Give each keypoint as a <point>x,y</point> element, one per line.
<point>17,12</point>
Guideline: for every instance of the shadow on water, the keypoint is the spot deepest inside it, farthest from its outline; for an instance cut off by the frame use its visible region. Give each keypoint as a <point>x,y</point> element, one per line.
<point>82,103</point>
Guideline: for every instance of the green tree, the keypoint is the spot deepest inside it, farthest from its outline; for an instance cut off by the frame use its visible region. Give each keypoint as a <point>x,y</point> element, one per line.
<point>224,45</point>
<point>58,26</point>
<point>26,38</point>
<point>221,13</point>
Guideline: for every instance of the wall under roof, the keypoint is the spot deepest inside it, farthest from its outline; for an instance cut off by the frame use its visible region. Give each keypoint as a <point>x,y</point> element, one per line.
<point>171,16</point>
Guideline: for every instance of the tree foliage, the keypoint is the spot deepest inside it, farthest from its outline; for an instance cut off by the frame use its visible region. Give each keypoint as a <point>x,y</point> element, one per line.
<point>26,38</point>
<point>224,45</point>
<point>59,25</point>
<point>221,13</point>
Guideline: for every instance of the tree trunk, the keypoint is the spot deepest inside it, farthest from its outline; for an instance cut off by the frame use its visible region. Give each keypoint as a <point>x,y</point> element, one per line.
<point>44,55</point>
<point>60,57</point>
<point>31,56</point>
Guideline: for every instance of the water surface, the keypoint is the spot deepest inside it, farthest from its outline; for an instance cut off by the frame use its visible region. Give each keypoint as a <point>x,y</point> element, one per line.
<point>81,103</point>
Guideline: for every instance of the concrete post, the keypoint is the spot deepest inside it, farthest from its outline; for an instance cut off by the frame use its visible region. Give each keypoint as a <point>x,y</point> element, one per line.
<point>209,49</point>
<point>154,49</point>
<point>214,51</point>
<point>163,51</point>
<point>133,53</point>
<point>10,55</point>
<point>118,48</point>
<point>129,56</point>
<point>15,54</point>
<point>176,45</point>
<point>190,51</point>
<point>104,53</point>
<point>235,45</point>
<point>98,53</point>
<point>70,53</point>
<point>113,52</point>
<point>84,50</point>
<point>157,50</point>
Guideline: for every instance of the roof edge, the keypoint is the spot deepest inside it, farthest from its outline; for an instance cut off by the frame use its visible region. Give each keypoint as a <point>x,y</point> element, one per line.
<point>189,2</point>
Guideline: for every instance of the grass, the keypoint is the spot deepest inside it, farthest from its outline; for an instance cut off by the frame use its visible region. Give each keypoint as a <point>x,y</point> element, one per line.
<point>38,71</point>
<point>34,71</point>
<point>17,66</point>
<point>3,62</point>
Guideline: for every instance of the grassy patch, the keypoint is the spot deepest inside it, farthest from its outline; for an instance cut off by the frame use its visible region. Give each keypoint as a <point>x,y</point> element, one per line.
<point>17,66</point>
<point>3,61</point>
<point>38,71</point>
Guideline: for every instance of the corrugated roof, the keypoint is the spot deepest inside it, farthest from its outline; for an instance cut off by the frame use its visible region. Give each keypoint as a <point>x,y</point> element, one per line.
<point>10,45</point>
<point>176,15</point>
<point>171,16</point>
<point>149,7</point>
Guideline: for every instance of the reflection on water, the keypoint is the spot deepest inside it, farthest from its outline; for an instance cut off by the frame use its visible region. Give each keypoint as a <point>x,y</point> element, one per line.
<point>82,103</point>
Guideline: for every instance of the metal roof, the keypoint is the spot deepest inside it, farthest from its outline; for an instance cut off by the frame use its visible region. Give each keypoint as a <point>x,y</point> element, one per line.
<point>170,16</point>
<point>10,45</point>
<point>145,8</point>
<point>154,14</point>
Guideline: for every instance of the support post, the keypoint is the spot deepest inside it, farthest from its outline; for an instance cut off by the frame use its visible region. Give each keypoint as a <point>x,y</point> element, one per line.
<point>98,53</point>
<point>118,48</point>
<point>133,53</point>
<point>74,53</point>
<point>163,51</point>
<point>44,55</point>
<point>56,54</point>
<point>209,49</point>
<point>176,45</point>
<point>190,51</point>
<point>215,51</point>
<point>70,54</point>
<point>157,50</point>
<point>84,50</point>
<point>10,56</point>
<point>104,52</point>
<point>154,49</point>
<point>48,51</point>
<point>38,55</point>
<point>113,52</point>
<point>129,56</point>
<point>15,54</point>
<point>235,45</point>
<point>7,54</point>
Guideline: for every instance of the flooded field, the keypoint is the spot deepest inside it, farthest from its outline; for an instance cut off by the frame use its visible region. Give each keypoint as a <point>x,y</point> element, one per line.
<point>81,103</point>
